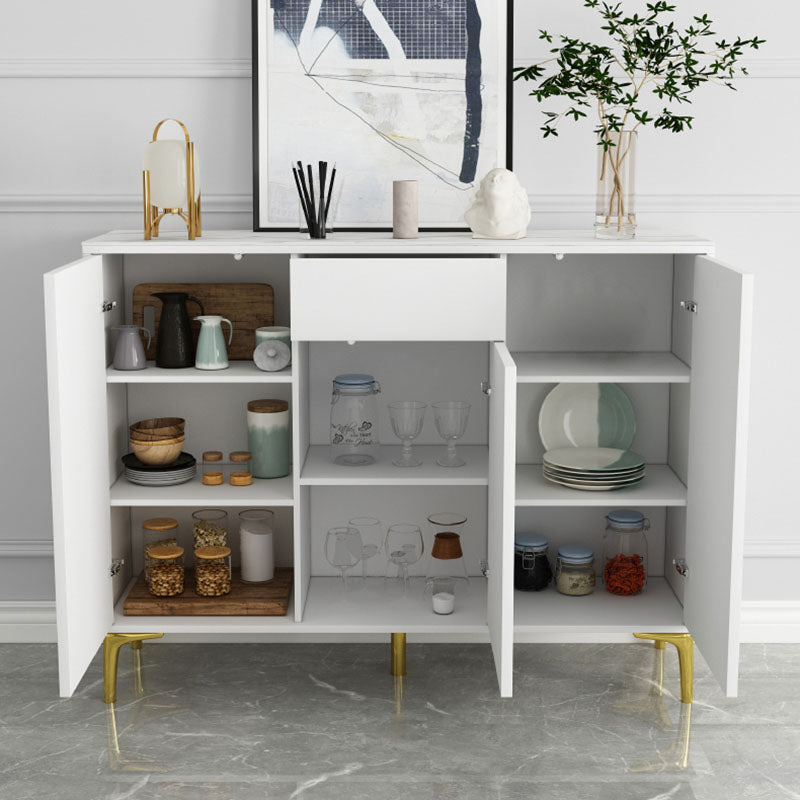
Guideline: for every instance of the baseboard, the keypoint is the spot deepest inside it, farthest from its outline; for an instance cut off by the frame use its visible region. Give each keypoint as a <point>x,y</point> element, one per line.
<point>763,621</point>
<point>27,621</point>
<point>770,621</point>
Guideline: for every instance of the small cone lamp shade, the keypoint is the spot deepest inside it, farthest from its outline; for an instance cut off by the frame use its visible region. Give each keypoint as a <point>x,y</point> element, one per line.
<point>170,182</point>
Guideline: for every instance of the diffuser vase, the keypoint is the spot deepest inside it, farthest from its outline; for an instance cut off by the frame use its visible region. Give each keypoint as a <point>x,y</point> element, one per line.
<point>615,210</point>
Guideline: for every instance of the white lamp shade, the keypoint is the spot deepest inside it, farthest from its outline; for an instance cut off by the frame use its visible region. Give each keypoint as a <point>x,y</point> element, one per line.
<point>166,161</point>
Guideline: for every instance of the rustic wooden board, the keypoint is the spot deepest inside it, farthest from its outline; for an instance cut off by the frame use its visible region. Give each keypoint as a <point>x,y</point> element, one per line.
<point>247,305</point>
<point>245,599</point>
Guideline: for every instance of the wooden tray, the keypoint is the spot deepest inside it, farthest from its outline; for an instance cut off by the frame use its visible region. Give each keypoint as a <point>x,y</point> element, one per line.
<point>247,305</point>
<point>245,599</point>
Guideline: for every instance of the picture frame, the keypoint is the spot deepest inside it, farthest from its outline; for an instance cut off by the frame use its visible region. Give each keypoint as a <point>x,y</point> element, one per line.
<point>387,90</point>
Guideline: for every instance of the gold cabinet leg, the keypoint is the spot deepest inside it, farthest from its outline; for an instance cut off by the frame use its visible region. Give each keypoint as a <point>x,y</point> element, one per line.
<point>111,646</point>
<point>684,644</point>
<point>398,654</point>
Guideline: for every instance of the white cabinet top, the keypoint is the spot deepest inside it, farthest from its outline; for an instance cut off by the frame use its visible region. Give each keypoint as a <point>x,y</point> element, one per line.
<point>382,243</point>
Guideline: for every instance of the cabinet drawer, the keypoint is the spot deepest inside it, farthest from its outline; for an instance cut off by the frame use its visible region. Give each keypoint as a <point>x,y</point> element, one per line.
<point>398,299</point>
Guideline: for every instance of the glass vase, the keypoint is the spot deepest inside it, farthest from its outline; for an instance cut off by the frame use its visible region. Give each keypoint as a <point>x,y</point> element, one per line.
<point>615,210</point>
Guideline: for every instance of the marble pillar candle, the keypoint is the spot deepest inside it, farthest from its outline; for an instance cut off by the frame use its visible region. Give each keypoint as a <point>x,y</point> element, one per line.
<point>405,209</point>
<point>268,436</point>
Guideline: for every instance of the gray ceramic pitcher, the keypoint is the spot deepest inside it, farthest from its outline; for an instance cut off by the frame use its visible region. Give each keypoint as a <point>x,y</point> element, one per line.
<point>129,353</point>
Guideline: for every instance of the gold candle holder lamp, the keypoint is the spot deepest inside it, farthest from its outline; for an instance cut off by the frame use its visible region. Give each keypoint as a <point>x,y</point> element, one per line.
<point>170,183</point>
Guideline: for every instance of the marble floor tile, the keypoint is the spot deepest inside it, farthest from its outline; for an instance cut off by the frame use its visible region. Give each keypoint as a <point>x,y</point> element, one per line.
<point>308,722</point>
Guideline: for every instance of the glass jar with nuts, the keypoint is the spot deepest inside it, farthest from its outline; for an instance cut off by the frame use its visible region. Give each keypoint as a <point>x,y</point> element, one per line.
<point>212,571</point>
<point>164,564</point>
<point>157,531</point>
<point>209,527</point>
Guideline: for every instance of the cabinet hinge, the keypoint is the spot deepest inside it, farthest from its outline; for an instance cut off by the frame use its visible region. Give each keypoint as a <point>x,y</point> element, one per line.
<point>116,566</point>
<point>689,305</point>
<point>681,567</point>
<point>486,388</point>
<point>108,305</point>
<point>484,568</point>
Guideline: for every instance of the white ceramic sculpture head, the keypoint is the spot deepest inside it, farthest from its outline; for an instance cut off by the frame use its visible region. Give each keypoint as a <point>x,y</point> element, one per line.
<point>501,209</point>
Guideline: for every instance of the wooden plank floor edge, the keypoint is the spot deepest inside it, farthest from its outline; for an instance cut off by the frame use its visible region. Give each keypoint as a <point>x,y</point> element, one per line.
<point>244,599</point>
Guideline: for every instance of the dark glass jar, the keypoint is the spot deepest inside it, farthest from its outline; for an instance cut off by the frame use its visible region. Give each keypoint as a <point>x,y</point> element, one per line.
<point>532,571</point>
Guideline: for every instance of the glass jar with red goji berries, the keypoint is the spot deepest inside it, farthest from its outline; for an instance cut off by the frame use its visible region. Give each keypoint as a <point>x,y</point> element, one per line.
<point>625,552</point>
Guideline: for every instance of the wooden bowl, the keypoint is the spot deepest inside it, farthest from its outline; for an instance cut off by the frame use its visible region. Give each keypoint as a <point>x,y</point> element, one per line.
<point>149,436</point>
<point>157,453</point>
<point>162,427</point>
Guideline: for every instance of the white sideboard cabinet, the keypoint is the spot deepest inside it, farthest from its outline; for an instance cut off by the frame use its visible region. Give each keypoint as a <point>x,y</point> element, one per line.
<point>496,323</point>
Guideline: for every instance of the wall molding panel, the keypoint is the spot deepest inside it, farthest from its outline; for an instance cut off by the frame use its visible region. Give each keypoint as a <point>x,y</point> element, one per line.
<point>26,548</point>
<point>27,621</point>
<point>770,621</point>
<point>772,68</point>
<point>540,203</point>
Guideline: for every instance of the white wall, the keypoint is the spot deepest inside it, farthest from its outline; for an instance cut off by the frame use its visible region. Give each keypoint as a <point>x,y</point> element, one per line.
<point>81,92</point>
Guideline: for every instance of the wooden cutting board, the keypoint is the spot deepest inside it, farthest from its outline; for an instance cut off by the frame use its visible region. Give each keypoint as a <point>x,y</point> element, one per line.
<point>244,600</point>
<point>247,305</point>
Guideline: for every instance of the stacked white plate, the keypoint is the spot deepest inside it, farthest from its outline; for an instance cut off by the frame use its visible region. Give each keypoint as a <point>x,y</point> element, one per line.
<point>593,469</point>
<point>180,471</point>
<point>587,430</point>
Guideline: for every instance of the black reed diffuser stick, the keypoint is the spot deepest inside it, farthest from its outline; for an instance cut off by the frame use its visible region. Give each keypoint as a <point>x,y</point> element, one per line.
<point>315,205</point>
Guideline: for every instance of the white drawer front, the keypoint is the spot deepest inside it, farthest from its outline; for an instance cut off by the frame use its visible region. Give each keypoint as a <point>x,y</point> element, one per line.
<point>398,299</point>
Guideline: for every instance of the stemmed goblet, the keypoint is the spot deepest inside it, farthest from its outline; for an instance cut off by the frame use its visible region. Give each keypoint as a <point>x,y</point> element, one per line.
<point>370,530</point>
<point>403,546</point>
<point>407,417</point>
<point>343,549</point>
<point>450,417</point>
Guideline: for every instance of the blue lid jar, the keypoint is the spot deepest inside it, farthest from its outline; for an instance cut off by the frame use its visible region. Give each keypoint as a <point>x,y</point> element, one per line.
<point>534,542</point>
<point>575,554</point>
<point>354,380</point>
<point>625,518</point>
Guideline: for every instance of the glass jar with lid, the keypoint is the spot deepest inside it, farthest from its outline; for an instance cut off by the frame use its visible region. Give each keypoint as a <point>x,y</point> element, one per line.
<point>212,571</point>
<point>354,420</point>
<point>209,527</point>
<point>241,468</point>
<point>625,552</point>
<point>164,565</point>
<point>256,545</point>
<point>575,570</point>
<point>532,570</point>
<point>156,531</point>
<point>212,468</point>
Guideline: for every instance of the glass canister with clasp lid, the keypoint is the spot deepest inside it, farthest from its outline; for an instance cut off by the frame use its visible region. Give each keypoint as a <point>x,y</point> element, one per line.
<point>625,552</point>
<point>354,420</point>
<point>532,571</point>
<point>575,570</point>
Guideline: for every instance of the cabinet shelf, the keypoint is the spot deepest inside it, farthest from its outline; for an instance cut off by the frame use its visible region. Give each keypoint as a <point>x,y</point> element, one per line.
<point>274,492</point>
<point>660,487</point>
<point>329,610</point>
<point>548,616</point>
<point>600,367</point>
<point>319,470</point>
<point>237,372</point>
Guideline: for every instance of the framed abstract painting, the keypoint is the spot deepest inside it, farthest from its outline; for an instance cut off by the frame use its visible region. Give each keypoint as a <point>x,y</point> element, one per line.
<point>386,90</point>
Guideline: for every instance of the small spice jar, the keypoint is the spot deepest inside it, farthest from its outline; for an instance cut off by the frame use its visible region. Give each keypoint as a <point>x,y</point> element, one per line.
<point>625,552</point>
<point>157,531</point>
<point>532,570</point>
<point>212,468</point>
<point>209,527</point>
<point>241,468</point>
<point>164,565</point>
<point>212,571</point>
<point>575,570</point>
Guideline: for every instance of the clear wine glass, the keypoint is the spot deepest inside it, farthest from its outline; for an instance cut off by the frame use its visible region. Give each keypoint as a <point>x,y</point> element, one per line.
<point>403,546</point>
<point>343,549</point>
<point>370,530</point>
<point>450,417</point>
<point>407,417</point>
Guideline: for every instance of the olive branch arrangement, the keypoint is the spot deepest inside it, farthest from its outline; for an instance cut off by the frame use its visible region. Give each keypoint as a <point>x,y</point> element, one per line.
<point>649,52</point>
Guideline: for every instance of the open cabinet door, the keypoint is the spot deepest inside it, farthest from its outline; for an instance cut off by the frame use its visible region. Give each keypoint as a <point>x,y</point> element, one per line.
<point>502,438</point>
<point>79,463</point>
<point>718,419</point>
